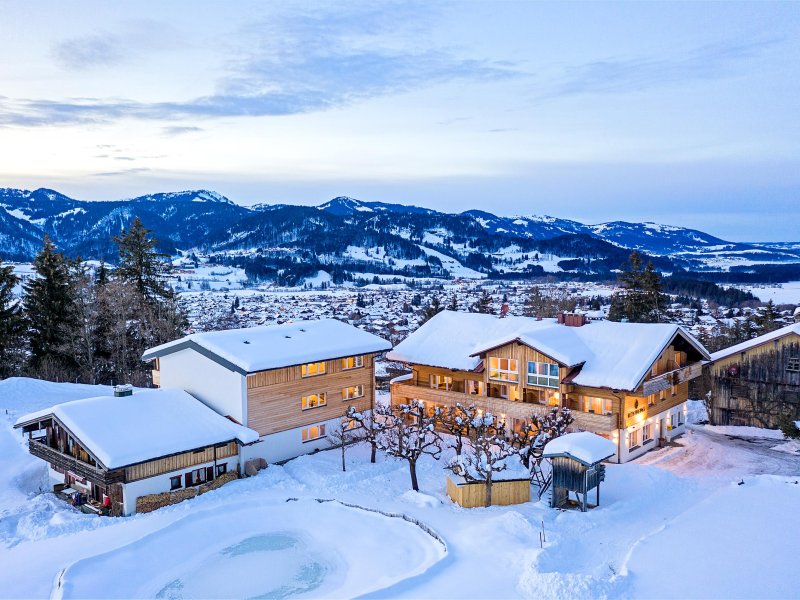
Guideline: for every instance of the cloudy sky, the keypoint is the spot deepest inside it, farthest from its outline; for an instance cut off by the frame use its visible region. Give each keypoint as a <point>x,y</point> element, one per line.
<point>687,114</point>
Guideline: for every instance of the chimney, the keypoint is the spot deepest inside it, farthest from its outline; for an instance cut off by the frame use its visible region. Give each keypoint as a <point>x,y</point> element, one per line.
<point>123,390</point>
<point>572,319</point>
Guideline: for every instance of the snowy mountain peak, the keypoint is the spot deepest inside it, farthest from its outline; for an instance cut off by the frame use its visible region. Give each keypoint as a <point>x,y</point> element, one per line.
<point>344,206</point>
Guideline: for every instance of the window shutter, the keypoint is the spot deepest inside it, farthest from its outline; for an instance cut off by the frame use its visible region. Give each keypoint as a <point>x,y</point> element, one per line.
<point>188,479</point>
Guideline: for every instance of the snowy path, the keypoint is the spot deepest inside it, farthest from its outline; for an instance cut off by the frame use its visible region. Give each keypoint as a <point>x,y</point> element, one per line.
<point>704,452</point>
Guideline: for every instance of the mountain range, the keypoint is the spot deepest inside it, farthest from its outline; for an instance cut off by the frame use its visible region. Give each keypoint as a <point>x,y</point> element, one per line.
<point>354,236</point>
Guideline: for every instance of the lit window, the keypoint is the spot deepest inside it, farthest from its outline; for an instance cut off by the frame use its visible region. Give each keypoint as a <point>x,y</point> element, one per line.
<point>648,433</point>
<point>633,439</point>
<point>542,373</point>
<point>476,388</point>
<point>311,369</point>
<point>598,406</point>
<point>314,432</point>
<point>313,401</point>
<point>352,362</point>
<point>441,382</point>
<point>504,369</point>
<point>651,400</point>
<point>354,391</point>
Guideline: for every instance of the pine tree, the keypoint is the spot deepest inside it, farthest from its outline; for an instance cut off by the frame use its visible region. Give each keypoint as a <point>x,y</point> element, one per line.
<point>453,305</point>
<point>641,299</point>
<point>767,319</point>
<point>141,264</point>
<point>50,314</point>
<point>484,304</point>
<point>11,324</point>
<point>433,309</point>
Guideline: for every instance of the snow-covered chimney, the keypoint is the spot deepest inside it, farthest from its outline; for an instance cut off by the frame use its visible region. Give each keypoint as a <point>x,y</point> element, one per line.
<point>572,319</point>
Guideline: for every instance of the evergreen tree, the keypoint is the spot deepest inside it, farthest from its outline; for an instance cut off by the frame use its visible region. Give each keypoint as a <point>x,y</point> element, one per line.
<point>141,264</point>
<point>50,314</point>
<point>433,309</point>
<point>453,305</point>
<point>11,324</point>
<point>768,318</point>
<point>484,304</point>
<point>641,299</point>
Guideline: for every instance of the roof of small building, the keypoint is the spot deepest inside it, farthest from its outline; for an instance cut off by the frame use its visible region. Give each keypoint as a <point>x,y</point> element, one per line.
<point>584,446</point>
<point>611,355</point>
<point>274,346</point>
<point>793,329</point>
<point>127,430</point>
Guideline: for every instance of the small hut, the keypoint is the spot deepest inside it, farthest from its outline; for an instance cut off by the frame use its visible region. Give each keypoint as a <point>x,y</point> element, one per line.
<point>576,460</point>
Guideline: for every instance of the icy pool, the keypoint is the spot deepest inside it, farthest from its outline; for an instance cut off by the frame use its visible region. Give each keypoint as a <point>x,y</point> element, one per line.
<point>284,550</point>
<point>273,565</point>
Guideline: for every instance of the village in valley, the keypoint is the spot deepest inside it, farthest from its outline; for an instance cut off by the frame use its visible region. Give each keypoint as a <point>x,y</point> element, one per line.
<point>587,445</point>
<point>466,300</point>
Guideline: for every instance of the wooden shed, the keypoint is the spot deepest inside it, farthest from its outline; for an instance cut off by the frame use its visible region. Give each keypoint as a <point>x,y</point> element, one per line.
<point>576,466</point>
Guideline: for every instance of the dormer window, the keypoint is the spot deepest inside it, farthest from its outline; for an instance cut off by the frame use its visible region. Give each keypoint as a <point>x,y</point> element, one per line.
<point>543,374</point>
<point>503,369</point>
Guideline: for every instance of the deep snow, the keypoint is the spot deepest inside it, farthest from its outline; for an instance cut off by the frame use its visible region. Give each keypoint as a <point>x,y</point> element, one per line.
<point>674,523</point>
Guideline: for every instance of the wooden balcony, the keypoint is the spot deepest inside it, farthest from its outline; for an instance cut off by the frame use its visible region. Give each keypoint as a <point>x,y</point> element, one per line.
<point>505,409</point>
<point>595,422</point>
<point>670,378</point>
<point>72,464</point>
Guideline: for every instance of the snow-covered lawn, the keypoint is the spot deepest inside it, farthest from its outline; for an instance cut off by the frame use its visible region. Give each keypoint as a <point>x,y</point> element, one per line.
<point>673,524</point>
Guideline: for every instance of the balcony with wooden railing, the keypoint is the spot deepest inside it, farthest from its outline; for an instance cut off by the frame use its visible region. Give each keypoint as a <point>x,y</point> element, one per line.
<point>71,463</point>
<point>503,408</point>
<point>670,378</point>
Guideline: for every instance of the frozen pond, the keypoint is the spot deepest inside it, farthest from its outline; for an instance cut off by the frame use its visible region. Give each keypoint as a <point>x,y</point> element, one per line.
<point>285,550</point>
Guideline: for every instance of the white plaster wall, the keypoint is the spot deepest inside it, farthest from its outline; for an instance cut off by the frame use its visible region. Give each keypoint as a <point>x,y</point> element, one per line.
<point>215,386</point>
<point>160,483</point>
<point>284,445</point>
<point>625,454</point>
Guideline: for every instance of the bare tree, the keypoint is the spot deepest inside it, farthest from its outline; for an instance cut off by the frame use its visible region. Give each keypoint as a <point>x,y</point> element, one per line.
<point>540,430</point>
<point>409,434</point>
<point>371,424</point>
<point>485,455</point>
<point>456,420</point>
<point>342,436</point>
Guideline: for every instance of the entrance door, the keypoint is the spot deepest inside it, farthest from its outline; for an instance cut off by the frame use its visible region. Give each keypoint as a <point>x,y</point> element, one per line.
<point>662,430</point>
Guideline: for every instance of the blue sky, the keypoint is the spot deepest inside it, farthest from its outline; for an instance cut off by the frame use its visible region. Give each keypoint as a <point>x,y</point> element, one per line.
<point>680,113</point>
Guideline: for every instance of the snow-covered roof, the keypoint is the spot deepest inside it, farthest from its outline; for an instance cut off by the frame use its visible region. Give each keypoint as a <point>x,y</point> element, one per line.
<point>613,355</point>
<point>584,446</point>
<point>762,339</point>
<point>274,346</point>
<point>146,425</point>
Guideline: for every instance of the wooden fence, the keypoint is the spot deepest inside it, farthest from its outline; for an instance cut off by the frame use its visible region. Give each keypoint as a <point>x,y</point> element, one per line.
<point>472,495</point>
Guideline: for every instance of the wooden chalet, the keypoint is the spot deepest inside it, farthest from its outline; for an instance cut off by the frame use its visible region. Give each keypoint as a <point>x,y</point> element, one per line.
<point>756,382</point>
<point>625,381</point>
<point>291,383</point>
<point>114,450</point>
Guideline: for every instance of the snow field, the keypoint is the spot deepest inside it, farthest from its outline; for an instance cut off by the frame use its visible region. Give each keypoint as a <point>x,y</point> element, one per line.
<point>324,549</point>
<point>672,524</point>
